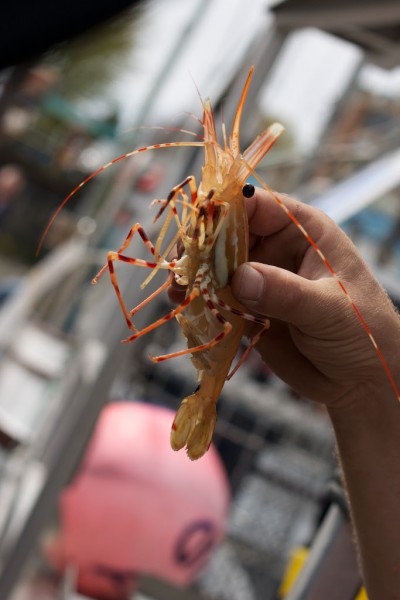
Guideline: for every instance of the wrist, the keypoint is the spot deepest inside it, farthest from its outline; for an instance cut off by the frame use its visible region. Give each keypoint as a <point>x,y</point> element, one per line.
<point>365,405</point>
<point>367,435</point>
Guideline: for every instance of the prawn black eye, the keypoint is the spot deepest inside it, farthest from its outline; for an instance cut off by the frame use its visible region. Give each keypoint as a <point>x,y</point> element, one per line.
<point>248,190</point>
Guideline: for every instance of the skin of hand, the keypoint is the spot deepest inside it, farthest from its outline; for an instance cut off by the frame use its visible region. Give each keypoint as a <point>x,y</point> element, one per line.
<point>316,342</point>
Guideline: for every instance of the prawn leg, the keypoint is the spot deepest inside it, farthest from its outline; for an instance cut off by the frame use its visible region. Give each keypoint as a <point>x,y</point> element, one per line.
<point>135,228</point>
<point>265,323</point>
<point>170,202</point>
<point>180,308</point>
<point>114,256</point>
<point>227,328</point>
<point>191,181</point>
<point>239,313</point>
<point>253,342</point>
<point>158,291</point>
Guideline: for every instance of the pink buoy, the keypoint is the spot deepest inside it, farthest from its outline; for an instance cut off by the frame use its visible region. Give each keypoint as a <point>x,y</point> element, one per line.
<point>138,507</point>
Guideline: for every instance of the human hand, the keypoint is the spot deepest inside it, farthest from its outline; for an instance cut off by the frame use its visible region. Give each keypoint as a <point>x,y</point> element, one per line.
<point>316,342</point>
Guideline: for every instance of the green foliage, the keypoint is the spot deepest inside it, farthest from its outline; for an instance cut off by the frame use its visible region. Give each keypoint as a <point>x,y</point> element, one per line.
<point>91,61</point>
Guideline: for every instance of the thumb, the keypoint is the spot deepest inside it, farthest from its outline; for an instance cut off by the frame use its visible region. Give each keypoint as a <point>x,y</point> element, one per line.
<point>278,293</point>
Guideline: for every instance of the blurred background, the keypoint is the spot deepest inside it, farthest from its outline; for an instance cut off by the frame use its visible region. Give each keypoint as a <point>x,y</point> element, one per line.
<point>93,503</point>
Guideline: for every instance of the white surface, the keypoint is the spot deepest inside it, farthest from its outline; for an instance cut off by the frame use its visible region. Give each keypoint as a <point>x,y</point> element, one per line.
<point>348,197</point>
<point>23,396</point>
<point>309,77</point>
<point>40,351</point>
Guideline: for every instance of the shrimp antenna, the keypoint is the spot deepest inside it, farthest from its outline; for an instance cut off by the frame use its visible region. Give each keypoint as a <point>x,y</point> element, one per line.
<point>103,168</point>
<point>193,116</point>
<point>162,128</point>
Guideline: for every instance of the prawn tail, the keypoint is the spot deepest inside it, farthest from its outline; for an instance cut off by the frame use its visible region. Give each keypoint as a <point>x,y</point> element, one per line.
<point>194,425</point>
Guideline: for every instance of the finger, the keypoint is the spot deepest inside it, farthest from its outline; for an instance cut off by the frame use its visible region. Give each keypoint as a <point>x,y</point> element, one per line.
<point>278,293</point>
<point>285,359</point>
<point>270,213</point>
<point>284,241</point>
<point>274,237</point>
<point>264,215</point>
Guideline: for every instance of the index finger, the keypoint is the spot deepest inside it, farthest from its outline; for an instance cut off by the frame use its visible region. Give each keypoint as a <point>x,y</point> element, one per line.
<point>273,234</point>
<point>284,229</point>
<point>266,214</point>
<point>271,213</point>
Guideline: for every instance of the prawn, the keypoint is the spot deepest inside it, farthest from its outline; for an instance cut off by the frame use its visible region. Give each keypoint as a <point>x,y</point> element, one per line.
<point>213,231</point>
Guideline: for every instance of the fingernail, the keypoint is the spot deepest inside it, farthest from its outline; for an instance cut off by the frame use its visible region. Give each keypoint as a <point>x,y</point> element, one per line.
<point>251,284</point>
